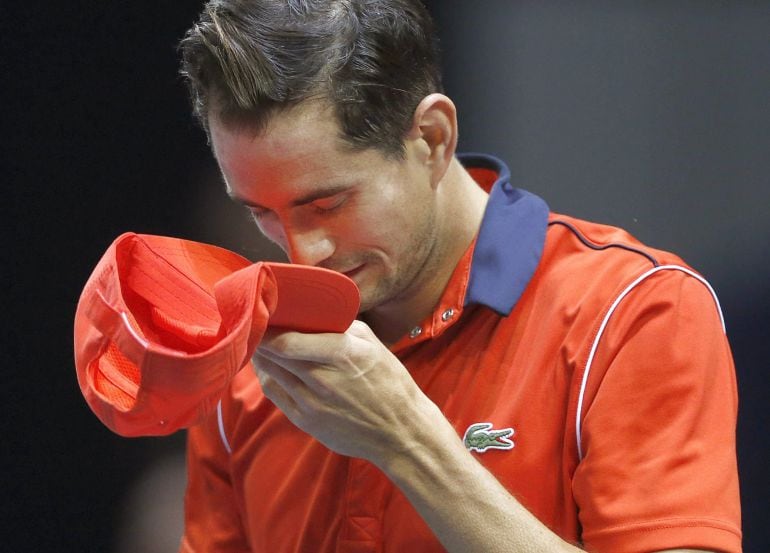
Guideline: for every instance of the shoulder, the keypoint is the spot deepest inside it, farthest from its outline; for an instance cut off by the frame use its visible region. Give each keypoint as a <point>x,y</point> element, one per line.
<point>600,263</point>
<point>602,243</point>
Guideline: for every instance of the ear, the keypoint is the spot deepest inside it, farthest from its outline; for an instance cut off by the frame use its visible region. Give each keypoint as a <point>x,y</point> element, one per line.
<point>434,133</point>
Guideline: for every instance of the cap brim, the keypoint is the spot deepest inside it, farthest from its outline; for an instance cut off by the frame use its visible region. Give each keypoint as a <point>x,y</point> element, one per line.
<point>312,299</point>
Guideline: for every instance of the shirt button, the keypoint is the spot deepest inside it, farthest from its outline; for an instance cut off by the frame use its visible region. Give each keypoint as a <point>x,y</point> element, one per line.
<point>415,332</point>
<point>448,314</point>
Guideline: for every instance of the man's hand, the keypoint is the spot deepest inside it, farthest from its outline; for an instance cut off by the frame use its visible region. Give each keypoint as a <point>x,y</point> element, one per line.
<point>353,395</point>
<point>346,390</point>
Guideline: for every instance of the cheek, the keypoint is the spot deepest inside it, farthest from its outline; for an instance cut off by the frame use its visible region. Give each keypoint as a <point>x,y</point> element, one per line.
<point>387,227</point>
<point>372,227</point>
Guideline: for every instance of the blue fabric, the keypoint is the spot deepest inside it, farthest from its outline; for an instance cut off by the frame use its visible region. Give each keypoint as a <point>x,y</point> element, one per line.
<point>510,241</point>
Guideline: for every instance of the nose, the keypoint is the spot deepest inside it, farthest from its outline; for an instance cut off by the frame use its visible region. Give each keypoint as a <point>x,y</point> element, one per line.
<point>303,243</point>
<point>308,246</point>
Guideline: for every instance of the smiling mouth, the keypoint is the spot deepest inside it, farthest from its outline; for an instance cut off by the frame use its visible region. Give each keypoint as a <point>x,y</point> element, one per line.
<point>353,272</point>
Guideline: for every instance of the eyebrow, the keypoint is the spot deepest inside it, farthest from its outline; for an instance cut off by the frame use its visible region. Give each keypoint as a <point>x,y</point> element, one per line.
<point>302,200</point>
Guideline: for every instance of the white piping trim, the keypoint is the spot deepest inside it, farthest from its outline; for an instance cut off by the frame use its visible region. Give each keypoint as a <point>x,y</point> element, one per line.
<point>221,424</point>
<point>602,327</point>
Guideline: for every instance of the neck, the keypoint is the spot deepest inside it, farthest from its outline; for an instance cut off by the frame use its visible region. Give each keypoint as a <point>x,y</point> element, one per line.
<point>461,204</point>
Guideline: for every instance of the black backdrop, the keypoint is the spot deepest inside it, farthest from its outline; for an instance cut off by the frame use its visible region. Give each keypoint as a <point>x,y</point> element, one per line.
<point>653,116</point>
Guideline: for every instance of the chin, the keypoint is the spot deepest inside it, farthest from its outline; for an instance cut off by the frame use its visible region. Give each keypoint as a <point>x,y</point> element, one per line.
<point>366,305</point>
<point>377,287</point>
<point>370,298</point>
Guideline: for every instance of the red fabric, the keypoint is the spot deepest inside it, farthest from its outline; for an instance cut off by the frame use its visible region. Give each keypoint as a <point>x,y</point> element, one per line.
<point>658,471</point>
<point>164,324</point>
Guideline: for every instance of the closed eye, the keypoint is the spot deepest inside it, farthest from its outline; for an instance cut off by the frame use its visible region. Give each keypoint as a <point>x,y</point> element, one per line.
<point>326,205</point>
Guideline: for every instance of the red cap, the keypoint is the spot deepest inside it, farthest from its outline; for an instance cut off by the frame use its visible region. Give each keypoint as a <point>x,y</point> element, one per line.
<point>163,324</point>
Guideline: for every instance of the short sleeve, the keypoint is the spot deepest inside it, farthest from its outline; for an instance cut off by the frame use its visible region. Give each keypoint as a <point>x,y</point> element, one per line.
<point>212,519</point>
<point>658,420</point>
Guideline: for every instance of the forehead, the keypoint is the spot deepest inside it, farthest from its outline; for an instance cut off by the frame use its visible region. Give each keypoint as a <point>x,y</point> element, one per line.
<point>299,152</point>
<point>293,141</point>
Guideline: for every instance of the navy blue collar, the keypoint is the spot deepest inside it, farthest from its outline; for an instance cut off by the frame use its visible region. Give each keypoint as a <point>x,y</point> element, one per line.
<point>510,240</point>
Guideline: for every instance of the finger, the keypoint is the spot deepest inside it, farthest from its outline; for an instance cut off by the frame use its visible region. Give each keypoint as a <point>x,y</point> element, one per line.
<point>280,386</point>
<point>299,369</point>
<point>317,348</point>
<point>361,330</point>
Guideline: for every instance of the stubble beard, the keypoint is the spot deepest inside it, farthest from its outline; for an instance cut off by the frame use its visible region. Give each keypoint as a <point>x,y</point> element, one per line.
<point>413,268</point>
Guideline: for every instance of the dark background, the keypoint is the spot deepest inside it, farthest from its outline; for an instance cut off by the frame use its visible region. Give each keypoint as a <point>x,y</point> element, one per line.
<point>649,115</point>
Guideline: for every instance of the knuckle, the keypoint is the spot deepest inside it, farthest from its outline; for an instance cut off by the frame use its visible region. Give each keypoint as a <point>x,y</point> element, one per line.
<point>281,342</point>
<point>347,350</point>
<point>269,390</point>
<point>265,380</point>
<point>256,364</point>
<point>360,329</point>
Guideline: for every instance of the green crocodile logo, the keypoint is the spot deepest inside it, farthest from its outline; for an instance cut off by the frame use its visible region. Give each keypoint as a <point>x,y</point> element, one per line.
<point>480,437</point>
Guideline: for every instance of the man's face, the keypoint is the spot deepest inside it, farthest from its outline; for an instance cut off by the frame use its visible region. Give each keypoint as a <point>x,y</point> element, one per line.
<point>359,213</point>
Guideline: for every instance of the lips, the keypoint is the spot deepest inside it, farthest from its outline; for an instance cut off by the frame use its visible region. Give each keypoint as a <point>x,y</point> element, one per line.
<point>353,272</point>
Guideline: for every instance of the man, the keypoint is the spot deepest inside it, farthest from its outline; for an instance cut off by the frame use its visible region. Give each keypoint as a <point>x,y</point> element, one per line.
<point>518,380</point>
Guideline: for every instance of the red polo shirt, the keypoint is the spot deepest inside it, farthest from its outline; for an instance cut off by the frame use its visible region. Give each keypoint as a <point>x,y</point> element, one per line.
<point>589,373</point>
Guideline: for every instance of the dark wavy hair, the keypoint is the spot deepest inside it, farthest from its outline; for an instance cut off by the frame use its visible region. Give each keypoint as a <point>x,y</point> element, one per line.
<point>372,60</point>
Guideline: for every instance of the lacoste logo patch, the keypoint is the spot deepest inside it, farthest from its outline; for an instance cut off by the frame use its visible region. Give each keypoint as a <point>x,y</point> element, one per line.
<point>480,437</point>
